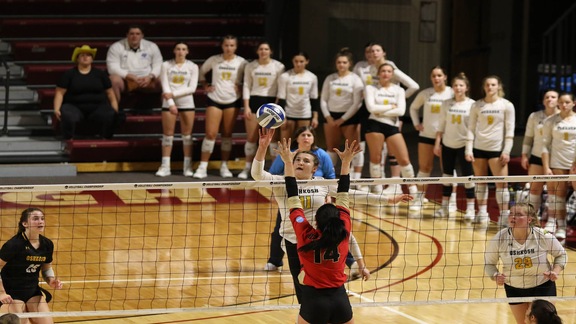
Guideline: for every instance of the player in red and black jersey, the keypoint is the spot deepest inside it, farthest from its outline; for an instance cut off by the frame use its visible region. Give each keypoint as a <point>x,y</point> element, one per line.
<point>322,250</point>
<point>22,258</point>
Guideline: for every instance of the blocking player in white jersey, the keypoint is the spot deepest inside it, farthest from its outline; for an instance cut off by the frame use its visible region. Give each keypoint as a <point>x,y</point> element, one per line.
<point>559,157</point>
<point>179,78</point>
<point>298,94</point>
<point>523,250</point>
<point>490,139</point>
<point>386,103</point>
<point>223,104</point>
<point>532,144</point>
<point>340,101</point>
<point>429,100</point>
<point>312,197</point>
<point>450,143</point>
<point>260,87</point>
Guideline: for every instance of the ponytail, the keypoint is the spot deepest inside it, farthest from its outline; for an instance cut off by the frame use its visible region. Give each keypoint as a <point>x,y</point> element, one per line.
<point>332,228</point>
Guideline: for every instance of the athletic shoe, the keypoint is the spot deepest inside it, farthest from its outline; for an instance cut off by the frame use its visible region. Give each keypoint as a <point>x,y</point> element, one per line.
<point>187,172</point>
<point>355,271</point>
<point>271,267</point>
<point>441,213</point>
<point>415,208</point>
<point>244,174</point>
<point>163,171</point>
<point>225,172</point>
<point>362,188</point>
<point>452,204</point>
<point>482,218</point>
<point>560,233</point>
<point>200,173</point>
<point>376,189</point>
<point>393,189</point>
<point>551,227</point>
<point>470,214</point>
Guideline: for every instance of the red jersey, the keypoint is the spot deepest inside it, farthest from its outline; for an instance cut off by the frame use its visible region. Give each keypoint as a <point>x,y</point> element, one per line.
<point>325,268</point>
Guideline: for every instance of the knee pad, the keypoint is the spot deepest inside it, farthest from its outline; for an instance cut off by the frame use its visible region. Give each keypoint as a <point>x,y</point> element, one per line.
<point>534,199</point>
<point>407,171</point>
<point>358,160</point>
<point>186,140</point>
<point>226,144</point>
<point>375,170</point>
<point>556,203</point>
<point>167,140</point>
<point>446,190</point>
<point>502,195</point>
<point>392,160</point>
<point>482,191</point>
<point>250,149</point>
<point>423,174</point>
<point>208,145</point>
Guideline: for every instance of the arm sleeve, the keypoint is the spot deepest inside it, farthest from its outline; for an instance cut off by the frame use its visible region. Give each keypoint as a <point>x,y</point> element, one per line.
<point>291,187</point>
<point>547,135</point>
<point>415,108</point>
<point>372,106</point>
<point>314,92</point>
<point>247,82</point>
<point>324,97</point>
<point>206,66</point>
<point>192,85</point>
<point>411,86</point>
<point>282,84</point>
<point>491,257</point>
<point>354,247</point>
<point>113,60</point>
<point>558,252</point>
<point>156,60</point>
<point>528,140</point>
<point>509,128</point>
<point>442,118</point>
<point>356,99</point>
<point>473,119</point>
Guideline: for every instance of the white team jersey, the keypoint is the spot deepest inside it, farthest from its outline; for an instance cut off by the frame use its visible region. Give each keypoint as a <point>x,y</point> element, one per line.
<point>363,69</point>
<point>341,95</point>
<point>490,124</point>
<point>380,100</point>
<point>533,136</point>
<point>399,78</point>
<point>261,80</point>
<point>227,77</point>
<point>181,81</point>
<point>559,140</point>
<point>523,264</point>
<point>453,122</point>
<point>297,90</point>
<point>430,101</point>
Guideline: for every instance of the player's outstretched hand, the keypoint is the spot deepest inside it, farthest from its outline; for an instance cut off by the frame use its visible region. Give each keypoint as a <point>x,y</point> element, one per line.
<point>284,151</point>
<point>266,136</point>
<point>350,150</point>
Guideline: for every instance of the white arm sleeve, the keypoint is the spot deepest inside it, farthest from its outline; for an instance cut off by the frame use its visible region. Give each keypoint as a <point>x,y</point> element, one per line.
<point>354,248</point>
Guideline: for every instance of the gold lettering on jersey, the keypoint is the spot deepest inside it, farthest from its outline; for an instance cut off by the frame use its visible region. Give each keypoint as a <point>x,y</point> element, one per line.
<point>435,109</point>
<point>385,102</point>
<point>263,82</point>
<point>369,79</point>
<point>226,76</point>
<point>456,119</point>
<point>301,91</point>
<point>338,91</point>
<point>490,119</point>
<point>523,263</point>
<point>178,79</point>
<point>306,202</point>
<point>566,136</point>
<point>34,258</point>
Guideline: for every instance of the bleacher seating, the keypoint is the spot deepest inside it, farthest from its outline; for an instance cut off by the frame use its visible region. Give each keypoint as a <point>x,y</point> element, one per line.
<point>43,34</point>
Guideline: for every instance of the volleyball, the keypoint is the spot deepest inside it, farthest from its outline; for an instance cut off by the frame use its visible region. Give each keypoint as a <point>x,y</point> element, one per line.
<point>270,115</point>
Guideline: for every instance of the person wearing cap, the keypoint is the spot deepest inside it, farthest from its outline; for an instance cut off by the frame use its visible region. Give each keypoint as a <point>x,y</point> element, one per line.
<point>134,63</point>
<point>85,93</point>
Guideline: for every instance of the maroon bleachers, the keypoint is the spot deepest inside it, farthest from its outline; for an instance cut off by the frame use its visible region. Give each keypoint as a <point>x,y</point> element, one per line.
<point>131,7</point>
<point>116,27</point>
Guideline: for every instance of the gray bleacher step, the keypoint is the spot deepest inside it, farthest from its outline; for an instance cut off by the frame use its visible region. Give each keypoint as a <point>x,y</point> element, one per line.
<point>16,71</point>
<point>10,146</point>
<point>19,94</point>
<point>26,118</point>
<point>5,48</point>
<point>28,131</point>
<point>38,170</point>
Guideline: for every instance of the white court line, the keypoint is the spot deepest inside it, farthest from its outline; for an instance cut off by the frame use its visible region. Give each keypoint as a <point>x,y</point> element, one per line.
<point>397,312</point>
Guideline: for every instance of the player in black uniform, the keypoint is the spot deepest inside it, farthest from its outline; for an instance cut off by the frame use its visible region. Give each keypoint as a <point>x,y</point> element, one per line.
<point>22,258</point>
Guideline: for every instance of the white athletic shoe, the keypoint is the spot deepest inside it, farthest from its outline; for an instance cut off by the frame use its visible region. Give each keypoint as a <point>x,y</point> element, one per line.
<point>200,173</point>
<point>482,218</point>
<point>551,226</point>
<point>163,171</point>
<point>187,172</point>
<point>355,271</point>
<point>376,189</point>
<point>225,172</point>
<point>362,188</point>
<point>271,267</point>
<point>470,214</point>
<point>560,233</point>
<point>244,174</point>
<point>441,213</point>
<point>393,189</point>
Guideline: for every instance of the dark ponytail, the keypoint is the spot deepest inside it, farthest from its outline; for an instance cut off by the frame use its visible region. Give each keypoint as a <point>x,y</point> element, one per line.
<point>332,228</point>
<point>544,312</point>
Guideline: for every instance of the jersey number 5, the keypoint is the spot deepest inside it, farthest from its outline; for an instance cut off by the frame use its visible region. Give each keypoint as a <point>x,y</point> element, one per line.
<point>329,254</point>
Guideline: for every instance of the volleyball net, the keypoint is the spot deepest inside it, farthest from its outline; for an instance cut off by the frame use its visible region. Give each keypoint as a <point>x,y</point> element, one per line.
<point>146,248</point>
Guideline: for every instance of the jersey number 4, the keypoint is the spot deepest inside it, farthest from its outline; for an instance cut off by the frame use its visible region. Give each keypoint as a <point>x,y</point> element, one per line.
<point>329,254</point>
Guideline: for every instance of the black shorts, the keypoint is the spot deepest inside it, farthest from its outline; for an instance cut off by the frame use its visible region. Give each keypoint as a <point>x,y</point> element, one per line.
<point>256,101</point>
<point>481,154</point>
<point>373,126</point>
<point>354,120</point>
<point>25,294</point>
<point>235,104</point>
<point>329,305</point>
<point>180,109</point>
<point>546,289</point>
<point>426,140</point>
<point>298,118</point>
<point>535,160</point>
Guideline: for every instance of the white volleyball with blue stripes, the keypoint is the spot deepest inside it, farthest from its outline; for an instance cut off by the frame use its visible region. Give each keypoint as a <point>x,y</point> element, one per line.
<point>270,115</point>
